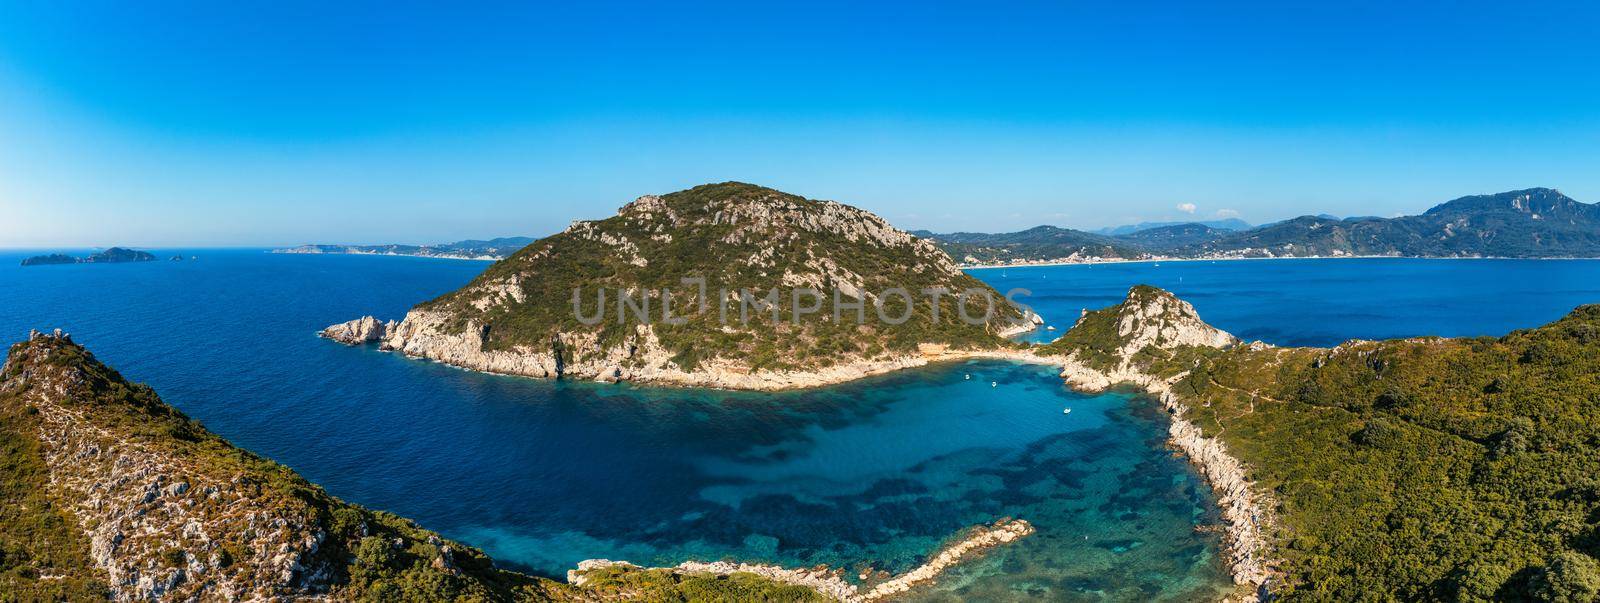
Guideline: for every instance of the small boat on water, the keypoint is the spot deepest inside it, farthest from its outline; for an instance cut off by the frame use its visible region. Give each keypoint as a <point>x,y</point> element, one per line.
<point>969,376</point>
<point>994,384</point>
<point>1067,411</point>
<point>1050,328</point>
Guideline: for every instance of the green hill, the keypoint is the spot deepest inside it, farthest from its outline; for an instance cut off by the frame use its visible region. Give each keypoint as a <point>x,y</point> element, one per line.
<point>520,316</point>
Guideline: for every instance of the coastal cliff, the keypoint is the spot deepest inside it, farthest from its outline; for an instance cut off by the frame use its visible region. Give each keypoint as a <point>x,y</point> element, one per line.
<point>782,292</point>
<point>1149,342</point>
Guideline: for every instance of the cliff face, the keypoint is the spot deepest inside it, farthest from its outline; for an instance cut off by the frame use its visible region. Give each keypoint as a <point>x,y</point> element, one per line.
<point>569,305</point>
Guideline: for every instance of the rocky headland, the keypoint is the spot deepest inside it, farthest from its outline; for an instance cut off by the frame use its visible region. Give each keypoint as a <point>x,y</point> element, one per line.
<point>1132,344</point>
<point>522,315</point>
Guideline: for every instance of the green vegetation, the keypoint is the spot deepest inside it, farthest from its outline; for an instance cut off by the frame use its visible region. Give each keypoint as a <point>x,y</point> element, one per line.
<point>366,555</point>
<point>1422,469</point>
<point>737,237</point>
<point>664,586</point>
<point>43,555</point>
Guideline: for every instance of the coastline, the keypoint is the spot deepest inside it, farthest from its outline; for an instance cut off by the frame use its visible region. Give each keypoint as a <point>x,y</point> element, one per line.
<point>1237,259</point>
<point>639,359</point>
<point>481,258</point>
<point>1244,509</point>
<point>769,381</point>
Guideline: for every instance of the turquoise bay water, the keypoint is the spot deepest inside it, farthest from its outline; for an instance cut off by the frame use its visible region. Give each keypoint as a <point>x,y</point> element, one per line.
<point>544,474</point>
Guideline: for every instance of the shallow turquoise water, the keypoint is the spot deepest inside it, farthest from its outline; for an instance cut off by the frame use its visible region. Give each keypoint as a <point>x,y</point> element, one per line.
<point>544,474</point>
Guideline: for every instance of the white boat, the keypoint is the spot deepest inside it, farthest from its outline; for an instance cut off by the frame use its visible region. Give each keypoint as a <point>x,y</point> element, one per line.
<point>994,384</point>
<point>1050,328</point>
<point>969,376</point>
<point>1067,411</point>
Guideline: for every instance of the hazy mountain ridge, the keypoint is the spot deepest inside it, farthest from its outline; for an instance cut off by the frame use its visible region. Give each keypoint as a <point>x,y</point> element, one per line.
<point>494,249</point>
<point>1529,223</point>
<point>1127,229</point>
<point>1040,243</point>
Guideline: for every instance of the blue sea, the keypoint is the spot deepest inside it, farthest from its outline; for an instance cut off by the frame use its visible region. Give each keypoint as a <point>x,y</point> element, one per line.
<point>875,473</point>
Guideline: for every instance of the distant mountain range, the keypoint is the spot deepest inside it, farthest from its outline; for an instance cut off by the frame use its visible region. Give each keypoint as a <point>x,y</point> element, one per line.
<point>1530,223</point>
<point>109,256</point>
<point>492,249</point>
<point>1228,224</point>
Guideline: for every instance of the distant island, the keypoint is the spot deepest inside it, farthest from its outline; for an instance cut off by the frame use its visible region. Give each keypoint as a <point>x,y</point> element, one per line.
<point>110,256</point>
<point>471,249</point>
<point>1529,223</point>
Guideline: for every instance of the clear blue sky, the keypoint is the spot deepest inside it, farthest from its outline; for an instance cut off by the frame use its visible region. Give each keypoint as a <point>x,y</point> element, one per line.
<point>214,123</point>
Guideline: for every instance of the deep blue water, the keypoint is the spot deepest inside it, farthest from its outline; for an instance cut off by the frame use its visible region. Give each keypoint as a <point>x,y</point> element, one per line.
<point>1323,302</point>
<point>544,474</point>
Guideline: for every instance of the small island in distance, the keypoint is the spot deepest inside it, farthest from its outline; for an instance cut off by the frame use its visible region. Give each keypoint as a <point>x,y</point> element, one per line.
<point>109,256</point>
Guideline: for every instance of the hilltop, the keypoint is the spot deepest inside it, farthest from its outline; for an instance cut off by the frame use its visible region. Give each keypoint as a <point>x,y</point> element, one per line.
<point>593,301</point>
<point>1529,223</point>
<point>1425,469</point>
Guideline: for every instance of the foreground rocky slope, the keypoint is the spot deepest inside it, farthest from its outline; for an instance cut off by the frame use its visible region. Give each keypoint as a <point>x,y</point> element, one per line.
<point>1417,469</point>
<point>111,494</point>
<point>526,315</point>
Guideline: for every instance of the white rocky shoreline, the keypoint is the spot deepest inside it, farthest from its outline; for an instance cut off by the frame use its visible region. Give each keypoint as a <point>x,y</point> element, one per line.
<point>1242,506</point>
<point>640,360</point>
<point>830,582</point>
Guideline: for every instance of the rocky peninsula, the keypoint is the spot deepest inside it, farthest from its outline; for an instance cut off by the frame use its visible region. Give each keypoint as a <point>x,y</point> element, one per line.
<point>717,277</point>
<point>831,583</point>
<point>1113,347</point>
